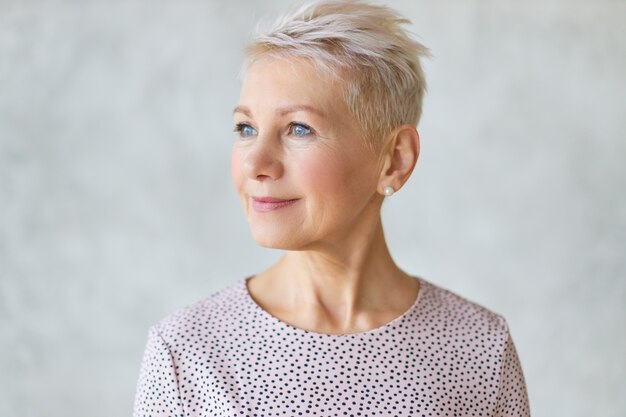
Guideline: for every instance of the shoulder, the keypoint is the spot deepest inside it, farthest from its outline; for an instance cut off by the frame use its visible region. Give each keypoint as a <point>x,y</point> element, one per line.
<point>201,315</point>
<point>463,317</point>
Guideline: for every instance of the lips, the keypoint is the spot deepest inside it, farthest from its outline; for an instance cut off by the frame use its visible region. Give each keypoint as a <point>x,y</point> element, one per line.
<point>265,204</point>
<point>270,199</point>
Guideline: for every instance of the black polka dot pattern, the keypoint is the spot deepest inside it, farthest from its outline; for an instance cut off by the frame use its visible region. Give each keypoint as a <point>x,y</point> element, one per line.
<point>226,356</point>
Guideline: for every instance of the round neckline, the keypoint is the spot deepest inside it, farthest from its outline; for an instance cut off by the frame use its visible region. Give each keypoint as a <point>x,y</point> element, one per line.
<point>376,330</point>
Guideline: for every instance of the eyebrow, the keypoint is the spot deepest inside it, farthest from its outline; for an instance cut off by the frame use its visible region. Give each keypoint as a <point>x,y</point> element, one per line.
<point>283,110</point>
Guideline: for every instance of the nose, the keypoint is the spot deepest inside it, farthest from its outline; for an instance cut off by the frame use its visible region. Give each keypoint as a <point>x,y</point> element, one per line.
<point>263,159</point>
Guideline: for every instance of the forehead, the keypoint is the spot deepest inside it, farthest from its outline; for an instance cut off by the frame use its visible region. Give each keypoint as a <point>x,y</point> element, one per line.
<point>272,82</point>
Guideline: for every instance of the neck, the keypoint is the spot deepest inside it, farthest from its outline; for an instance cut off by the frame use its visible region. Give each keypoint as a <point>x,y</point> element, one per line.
<point>343,279</point>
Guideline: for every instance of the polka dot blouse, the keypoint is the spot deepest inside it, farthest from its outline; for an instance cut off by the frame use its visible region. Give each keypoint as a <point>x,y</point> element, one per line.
<point>226,356</point>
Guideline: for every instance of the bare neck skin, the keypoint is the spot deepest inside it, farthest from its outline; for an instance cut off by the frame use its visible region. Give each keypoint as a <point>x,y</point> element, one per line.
<point>350,285</point>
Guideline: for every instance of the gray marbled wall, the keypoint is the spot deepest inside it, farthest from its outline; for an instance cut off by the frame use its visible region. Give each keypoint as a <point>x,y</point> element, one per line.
<point>116,206</point>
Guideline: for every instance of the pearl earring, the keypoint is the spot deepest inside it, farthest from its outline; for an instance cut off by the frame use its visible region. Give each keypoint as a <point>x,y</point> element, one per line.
<point>389,190</point>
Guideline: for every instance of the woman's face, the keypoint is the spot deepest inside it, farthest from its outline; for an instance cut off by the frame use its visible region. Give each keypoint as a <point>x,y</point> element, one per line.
<point>296,140</point>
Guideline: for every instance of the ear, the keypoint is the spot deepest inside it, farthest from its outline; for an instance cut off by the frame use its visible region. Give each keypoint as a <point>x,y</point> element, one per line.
<point>399,158</point>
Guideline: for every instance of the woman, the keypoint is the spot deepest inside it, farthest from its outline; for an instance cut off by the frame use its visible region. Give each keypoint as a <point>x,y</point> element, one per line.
<point>325,131</point>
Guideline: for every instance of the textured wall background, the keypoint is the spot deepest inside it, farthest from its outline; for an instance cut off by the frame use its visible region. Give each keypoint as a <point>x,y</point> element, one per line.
<point>116,206</point>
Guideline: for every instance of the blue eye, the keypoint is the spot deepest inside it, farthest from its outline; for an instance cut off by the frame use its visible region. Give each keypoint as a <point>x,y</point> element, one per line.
<point>244,130</point>
<point>300,129</point>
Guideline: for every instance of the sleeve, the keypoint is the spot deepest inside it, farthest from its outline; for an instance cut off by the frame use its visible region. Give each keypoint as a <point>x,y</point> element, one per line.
<point>157,391</point>
<point>512,397</point>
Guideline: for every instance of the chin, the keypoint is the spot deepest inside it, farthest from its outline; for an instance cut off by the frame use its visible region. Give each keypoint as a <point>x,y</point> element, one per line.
<point>269,237</point>
<point>276,244</point>
<point>273,239</point>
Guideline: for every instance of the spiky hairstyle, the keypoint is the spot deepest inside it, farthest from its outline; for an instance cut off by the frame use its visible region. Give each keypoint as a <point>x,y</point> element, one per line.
<point>362,43</point>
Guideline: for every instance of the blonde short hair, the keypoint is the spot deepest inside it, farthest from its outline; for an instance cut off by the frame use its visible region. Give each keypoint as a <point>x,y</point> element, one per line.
<point>385,84</point>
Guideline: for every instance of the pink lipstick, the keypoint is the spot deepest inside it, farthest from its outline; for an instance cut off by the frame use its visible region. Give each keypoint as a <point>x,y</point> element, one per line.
<point>264,204</point>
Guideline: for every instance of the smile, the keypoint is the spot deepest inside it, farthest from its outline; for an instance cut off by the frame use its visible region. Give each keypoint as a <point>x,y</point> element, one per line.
<point>265,206</point>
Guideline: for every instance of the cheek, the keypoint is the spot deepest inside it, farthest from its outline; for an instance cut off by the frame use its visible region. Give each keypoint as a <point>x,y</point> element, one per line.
<point>334,181</point>
<point>235,168</point>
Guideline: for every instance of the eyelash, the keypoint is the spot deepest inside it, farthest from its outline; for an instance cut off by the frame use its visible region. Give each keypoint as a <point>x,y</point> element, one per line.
<point>240,126</point>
